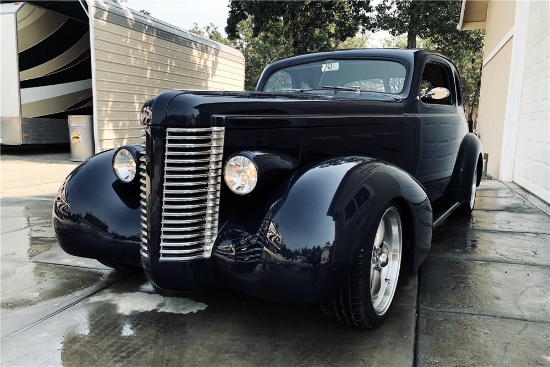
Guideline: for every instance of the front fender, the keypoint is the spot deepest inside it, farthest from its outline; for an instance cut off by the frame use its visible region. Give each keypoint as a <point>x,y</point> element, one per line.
<point>314,230</point>
<point>97,216</point>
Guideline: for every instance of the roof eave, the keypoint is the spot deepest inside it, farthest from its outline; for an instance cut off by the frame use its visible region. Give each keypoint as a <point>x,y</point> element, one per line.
<point>473,15</point>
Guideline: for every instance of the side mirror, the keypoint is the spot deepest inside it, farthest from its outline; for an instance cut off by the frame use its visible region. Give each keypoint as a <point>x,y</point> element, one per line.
<point>436,93</point>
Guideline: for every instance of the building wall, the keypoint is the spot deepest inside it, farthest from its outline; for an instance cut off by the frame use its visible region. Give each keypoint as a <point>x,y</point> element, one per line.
<point>494,80</point>
<point>492,111</point>
<point>500,19</point>
<point>10,113</point>
<point>532,160</point>
<point>136,59</point>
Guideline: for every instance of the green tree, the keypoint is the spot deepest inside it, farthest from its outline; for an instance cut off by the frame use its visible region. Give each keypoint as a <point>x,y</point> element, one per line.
<point>400,41</point>
<point>211,32</point>
<point>307,26</point>
<point>417,18</point>
<point>432,25</point>
<point>265,31</point>
<point>260,50</point>
<point>465,49</point>
<point>353,42</point>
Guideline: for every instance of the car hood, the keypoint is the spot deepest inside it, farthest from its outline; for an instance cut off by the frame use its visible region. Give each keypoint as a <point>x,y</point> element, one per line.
<point>260,109</point>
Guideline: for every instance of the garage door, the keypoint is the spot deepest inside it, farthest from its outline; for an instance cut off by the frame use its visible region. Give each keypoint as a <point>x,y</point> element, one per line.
<point>532,161</point>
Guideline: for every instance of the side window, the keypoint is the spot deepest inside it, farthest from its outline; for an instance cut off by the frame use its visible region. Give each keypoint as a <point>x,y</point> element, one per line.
<point>436,75</point>
<point>458,90</point>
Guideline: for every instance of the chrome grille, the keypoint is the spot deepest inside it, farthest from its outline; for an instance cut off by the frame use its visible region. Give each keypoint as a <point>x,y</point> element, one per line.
<point>143,199</point>
<point>191,192</point>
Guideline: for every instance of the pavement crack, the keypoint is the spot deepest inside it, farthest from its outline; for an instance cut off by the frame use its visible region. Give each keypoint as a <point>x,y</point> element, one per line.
<point>504,317</point>
<point>14,230</point>
<point>64,308</point>
<point>490,260</point>
<point>417,324</point>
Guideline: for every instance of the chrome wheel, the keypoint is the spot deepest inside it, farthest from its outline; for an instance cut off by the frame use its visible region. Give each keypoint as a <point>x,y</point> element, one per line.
<point>385,261</point>
<point>365,298</point>
<point>467,208</point>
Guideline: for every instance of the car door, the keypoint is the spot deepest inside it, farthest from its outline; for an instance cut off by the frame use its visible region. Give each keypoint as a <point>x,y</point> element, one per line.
<point>443,126</point>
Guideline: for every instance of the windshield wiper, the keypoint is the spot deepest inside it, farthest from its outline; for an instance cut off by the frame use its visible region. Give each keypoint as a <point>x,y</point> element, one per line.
<point>293,90</point>
<point>356,89</point>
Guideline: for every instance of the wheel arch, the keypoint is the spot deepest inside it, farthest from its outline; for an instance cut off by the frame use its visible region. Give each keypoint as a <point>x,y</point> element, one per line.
<point>407,224</point>
<point>469,163</point>
<point>385,183</point>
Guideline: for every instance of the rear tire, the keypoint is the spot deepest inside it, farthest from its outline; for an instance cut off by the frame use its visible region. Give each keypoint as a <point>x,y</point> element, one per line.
<point>466,209</point>
<point>365,298</point>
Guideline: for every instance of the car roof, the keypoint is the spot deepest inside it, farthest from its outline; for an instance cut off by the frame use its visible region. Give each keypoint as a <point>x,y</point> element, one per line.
<point>400,53</point>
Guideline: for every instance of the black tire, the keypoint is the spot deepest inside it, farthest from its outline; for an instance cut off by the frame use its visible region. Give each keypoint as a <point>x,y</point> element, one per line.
<point>354,304</point>
<point>466,209</point>
<point>122,267</point>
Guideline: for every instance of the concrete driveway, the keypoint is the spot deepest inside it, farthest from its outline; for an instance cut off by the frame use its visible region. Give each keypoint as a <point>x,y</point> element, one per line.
<point>482,297</point>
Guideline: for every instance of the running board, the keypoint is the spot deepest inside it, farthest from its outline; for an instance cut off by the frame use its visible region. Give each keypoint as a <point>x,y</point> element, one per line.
<point>445,215</point>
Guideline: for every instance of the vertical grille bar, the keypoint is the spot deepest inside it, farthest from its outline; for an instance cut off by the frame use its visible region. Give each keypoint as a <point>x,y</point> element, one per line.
<point>191,192</point>
<point>143,198</point>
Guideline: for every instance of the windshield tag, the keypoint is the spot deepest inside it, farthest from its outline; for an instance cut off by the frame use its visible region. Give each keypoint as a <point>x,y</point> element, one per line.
<point>330,66</point>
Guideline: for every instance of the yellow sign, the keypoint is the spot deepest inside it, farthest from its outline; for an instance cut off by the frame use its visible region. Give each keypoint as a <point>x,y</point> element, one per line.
<point>75,138</point>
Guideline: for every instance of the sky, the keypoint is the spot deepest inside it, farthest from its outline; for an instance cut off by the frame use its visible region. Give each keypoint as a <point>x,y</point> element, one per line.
<point>183,13</point>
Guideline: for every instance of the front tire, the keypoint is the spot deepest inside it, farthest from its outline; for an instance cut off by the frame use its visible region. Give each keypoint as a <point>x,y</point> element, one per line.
<point>366,297</point>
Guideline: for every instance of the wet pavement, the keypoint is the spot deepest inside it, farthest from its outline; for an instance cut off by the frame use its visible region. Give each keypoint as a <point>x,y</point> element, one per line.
<point>481,298</point>
<point>484,295</point>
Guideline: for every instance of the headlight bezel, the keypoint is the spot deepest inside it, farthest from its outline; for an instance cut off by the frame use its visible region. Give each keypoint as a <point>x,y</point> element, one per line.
<point>131,156</point>
<point>252,165</point>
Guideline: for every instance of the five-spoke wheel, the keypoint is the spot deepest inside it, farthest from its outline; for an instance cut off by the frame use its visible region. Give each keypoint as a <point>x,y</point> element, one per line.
<point>385,261</point>
<point>366,296</point>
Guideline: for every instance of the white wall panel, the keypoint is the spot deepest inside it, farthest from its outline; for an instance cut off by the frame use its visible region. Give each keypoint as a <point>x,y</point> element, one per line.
<point>532,162</point>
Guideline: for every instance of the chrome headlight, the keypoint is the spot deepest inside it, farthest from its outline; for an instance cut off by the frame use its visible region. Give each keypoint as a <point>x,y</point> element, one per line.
<point>125,163</point>
<point>240,174</point>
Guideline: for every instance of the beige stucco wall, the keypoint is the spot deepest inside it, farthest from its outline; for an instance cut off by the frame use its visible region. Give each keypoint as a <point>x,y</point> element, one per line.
<point>492,106</point>
<point>495,79</point>
<point>500,19</point>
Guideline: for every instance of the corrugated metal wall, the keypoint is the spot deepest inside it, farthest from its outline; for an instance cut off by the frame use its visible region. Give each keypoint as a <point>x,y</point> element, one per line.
<point>137,58</point>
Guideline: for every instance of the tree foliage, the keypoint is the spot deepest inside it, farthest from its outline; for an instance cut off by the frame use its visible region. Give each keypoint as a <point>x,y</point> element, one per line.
<point>306,26</point>
<point>265,31</point>
<point>417,18</point>
<point>260,50</point>
<point>211,32</point>
<point>432,25</point>
<point>465,48</point>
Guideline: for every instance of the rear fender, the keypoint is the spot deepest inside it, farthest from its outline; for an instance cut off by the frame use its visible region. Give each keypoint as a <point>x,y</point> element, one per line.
<point>469,163</point>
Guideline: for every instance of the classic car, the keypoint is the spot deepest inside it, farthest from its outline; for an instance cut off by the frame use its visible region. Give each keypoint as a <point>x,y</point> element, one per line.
<point>314,188</point>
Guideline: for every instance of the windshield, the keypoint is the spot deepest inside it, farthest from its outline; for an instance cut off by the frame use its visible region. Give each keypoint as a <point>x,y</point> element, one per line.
<point>383,76</point>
